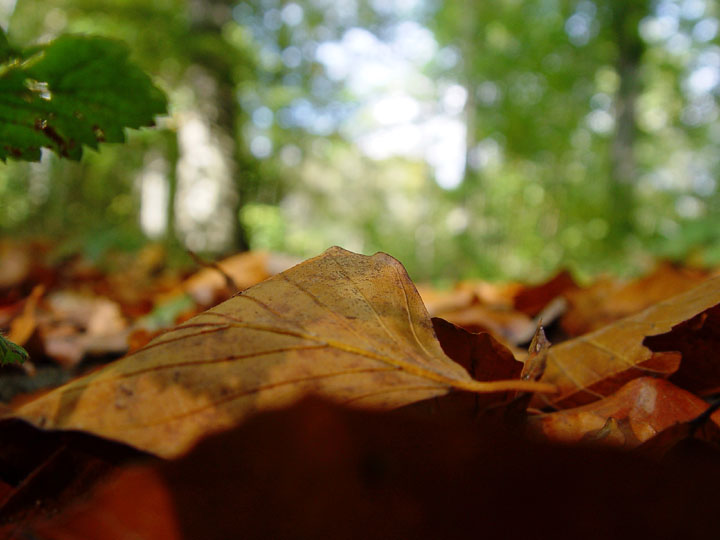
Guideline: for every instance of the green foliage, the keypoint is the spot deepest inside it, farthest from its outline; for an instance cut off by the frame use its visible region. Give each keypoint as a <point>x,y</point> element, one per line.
<point>11,353</point>
<point>74,91</point>
<point>546,181</point>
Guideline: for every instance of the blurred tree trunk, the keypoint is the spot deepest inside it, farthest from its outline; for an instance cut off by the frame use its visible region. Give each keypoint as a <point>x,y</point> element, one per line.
<point>471,33</point>
<point>625,19</point>
<point>171,236</point>
<point>217,100</point>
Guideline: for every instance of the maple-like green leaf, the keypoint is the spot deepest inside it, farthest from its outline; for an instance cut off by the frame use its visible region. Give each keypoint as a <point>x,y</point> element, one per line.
<point>11,352</point>
<point>74,91</point>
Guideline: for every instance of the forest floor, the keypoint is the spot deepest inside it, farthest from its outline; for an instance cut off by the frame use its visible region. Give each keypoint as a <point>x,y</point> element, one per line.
<point>265,397</point>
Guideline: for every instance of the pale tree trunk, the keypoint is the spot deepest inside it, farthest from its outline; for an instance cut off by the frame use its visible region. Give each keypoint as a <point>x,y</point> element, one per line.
<point>210,171</point>
<point>630,47</point>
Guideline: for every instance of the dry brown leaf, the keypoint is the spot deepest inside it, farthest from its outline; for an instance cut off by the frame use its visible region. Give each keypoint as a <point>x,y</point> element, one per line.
<point>24,324</point>
<point>479,306</point>
<point>345,326</point>
<point>82,324</point>
<point>485,358</point>
<point>608,300</point>
<point>536,360</point>
<point>593,366</point>
<point>492,294</point>
<point>244,269</point>
<point>507,326</point>
<point>632,415</point>
<point>15,264</point>
<point>443,301</point>
<point>532,300</point>
<point>698,340</point>
<point>696,438</point>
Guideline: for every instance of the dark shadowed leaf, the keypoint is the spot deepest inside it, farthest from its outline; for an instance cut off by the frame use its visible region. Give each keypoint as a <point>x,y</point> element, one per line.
<point>320,471</point>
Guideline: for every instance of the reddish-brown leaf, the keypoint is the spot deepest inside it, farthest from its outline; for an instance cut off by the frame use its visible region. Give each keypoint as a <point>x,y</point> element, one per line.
<point>532,300</point>
<point>485,358</point>
<point>632,415</point>
<point>698,340</point>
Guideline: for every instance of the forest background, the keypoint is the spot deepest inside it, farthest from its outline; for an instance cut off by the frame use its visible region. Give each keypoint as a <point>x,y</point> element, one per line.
<point>499,139</point>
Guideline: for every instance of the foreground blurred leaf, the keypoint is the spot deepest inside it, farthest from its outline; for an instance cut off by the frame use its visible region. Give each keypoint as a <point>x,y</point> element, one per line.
<point>321,471</point>
<point>593,366</point>
<point>74,91</point>
<point>349,327</point>
<point>41,471</point>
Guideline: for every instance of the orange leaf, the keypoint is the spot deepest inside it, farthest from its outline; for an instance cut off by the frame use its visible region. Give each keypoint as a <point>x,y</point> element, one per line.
<point>349,327</point>
<point>632,415</point>
<point>24,324</point>
<point>244,269</point>
<point>593,366</point>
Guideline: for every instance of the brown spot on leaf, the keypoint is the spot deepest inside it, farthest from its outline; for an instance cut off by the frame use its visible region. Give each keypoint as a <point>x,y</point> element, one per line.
<point>13,151</point>
<point>42,124</point>
<point>99,133</point>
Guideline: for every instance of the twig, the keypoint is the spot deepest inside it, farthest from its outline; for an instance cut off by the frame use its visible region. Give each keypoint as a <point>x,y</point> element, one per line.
<point>229,281</point>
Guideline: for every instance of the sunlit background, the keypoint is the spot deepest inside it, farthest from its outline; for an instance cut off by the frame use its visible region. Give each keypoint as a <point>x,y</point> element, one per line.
<point>500,139</point>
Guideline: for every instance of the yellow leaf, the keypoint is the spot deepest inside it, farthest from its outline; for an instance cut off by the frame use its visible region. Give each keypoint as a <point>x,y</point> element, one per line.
<point>345,326</point>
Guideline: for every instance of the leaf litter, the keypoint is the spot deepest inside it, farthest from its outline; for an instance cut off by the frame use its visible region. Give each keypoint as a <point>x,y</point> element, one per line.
<point>353,330</point>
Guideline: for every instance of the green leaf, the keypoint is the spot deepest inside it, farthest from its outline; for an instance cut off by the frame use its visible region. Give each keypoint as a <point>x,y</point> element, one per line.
<point>76,91</point>
<point>10,352</point>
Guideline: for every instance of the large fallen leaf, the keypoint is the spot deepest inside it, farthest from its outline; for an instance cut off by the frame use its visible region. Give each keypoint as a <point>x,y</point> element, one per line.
<point>593,366</point>
<point>349,327</point>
